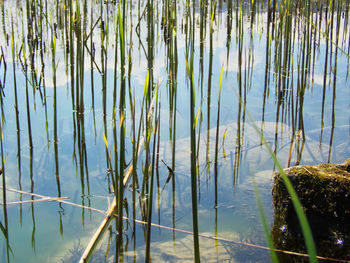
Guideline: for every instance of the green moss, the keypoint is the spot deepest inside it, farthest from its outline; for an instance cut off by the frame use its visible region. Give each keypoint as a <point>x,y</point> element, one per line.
<point>324,190</point>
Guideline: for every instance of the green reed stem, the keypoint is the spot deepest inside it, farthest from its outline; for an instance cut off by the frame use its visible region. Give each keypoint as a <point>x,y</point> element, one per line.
<point>4,228</point>
<point>273,254</point>
<point>193,160</point>
<point>150,199</point>
<point>25,69</point>
<point>55,139</point>
<point>114,114</point>
<point>121,23</point>
<point>2,85</point>
<point>218,125</point>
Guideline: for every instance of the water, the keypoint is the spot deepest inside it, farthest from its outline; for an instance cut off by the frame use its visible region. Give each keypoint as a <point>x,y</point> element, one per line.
<point>270,65</point>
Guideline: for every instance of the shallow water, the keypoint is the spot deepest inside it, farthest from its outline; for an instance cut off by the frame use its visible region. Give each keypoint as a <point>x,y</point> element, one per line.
<point>269,67</point>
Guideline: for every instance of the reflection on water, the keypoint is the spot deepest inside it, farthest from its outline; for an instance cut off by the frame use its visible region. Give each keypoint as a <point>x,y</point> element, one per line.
<point>78,82</point>
<point>331,239</point>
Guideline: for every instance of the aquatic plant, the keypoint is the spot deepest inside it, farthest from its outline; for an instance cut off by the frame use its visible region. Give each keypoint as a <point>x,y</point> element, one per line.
<point>119,91</point>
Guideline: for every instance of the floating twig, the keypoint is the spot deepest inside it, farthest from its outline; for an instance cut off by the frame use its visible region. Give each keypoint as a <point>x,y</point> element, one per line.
<point>110,214</point>
<point>46,199</point>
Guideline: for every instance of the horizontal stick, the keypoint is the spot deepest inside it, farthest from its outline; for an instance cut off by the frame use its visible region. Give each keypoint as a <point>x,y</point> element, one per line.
<point>46,199</point>
<point>110,213</point>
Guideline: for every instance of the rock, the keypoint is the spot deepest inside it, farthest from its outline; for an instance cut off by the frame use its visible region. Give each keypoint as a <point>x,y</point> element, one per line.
<point>324,192</point>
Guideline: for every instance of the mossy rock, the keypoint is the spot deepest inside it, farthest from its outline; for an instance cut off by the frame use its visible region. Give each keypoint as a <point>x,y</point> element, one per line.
<point>324,191</point>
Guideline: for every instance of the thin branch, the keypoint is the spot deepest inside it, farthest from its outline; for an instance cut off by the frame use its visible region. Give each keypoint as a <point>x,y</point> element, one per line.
<point>110,213</point>
<point>46,199</point>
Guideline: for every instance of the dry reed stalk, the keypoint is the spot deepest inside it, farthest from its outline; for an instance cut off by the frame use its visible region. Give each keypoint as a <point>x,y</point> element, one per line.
<point>46,199</point>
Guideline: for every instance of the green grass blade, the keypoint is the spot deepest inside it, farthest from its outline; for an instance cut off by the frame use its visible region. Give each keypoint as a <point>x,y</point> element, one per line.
<point>305,227</point>
<point>273,254</point>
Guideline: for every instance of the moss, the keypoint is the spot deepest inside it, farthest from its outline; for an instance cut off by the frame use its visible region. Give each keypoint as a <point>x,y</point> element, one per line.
<point>324,190</point>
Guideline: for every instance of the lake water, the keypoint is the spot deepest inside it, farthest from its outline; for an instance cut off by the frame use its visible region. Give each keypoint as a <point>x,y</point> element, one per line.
<point>290,69</point>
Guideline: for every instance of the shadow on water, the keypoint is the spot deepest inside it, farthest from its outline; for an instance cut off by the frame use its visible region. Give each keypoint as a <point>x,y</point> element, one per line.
<point>94,93</point>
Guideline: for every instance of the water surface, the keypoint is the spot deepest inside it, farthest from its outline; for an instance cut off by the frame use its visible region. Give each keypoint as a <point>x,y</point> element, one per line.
<point>289,67</point>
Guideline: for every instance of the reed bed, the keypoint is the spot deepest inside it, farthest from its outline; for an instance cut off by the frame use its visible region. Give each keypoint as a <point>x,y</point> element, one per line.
<point>136,78</point>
